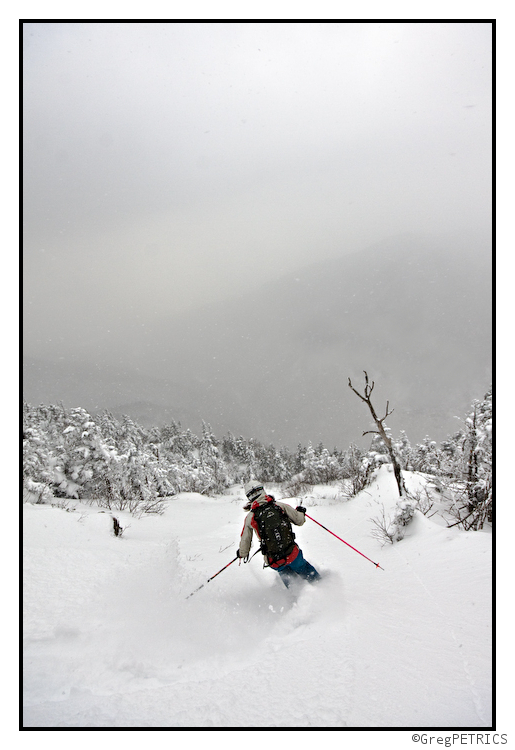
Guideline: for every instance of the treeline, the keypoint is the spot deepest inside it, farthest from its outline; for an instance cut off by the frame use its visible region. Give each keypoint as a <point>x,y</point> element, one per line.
<point>68,453</point>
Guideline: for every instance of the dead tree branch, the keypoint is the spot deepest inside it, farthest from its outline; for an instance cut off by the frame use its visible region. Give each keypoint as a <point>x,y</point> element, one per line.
<point>365,397</point>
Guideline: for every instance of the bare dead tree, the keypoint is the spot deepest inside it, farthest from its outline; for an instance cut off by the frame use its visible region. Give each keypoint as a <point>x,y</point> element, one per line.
<point>381,430</point>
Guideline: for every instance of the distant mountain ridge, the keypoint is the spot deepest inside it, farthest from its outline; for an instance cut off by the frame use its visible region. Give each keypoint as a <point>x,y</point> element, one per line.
<point>275,362</point>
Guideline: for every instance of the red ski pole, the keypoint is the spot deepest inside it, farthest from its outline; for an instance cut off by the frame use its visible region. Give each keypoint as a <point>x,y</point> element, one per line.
<point>343,540</point>
<point>210,579</point>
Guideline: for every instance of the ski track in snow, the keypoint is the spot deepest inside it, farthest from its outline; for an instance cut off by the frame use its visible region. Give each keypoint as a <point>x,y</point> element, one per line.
<point>111,640</point>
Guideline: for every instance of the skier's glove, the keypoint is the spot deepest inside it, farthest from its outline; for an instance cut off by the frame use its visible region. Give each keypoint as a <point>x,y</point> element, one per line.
<point>300,509</point>
<point>245,558</point>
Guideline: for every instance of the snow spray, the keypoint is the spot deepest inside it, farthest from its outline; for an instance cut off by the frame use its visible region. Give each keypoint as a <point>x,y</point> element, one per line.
<point>210,579</point>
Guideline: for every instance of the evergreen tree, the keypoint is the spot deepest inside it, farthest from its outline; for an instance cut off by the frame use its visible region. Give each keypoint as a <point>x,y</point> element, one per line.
<point>310,465</point>
<point>427,457</point>
<point>404,451</point>
<point>216,476</point>
<point>478,456</point>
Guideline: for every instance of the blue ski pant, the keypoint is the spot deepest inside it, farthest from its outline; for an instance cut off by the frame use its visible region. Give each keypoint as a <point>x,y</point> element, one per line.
<point>298,568</point>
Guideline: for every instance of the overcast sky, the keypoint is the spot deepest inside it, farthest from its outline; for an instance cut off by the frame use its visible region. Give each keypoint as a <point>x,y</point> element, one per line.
<point>167,165</point>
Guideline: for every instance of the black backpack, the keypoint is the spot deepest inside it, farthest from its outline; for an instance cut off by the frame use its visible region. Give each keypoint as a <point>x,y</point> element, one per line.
<point>277,537</point>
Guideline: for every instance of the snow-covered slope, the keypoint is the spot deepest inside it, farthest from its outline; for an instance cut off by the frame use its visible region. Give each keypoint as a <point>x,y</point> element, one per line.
<point>111,640</point>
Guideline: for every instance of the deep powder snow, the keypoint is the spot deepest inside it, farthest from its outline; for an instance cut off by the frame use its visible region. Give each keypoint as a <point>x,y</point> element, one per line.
<point>110,639</point>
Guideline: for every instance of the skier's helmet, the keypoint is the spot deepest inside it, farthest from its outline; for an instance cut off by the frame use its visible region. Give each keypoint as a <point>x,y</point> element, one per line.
<point>253,490</point>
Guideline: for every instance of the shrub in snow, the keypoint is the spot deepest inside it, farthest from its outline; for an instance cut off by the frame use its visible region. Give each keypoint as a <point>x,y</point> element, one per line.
<point>404,512</point>
<point>360,469</point>
<point>297,486</point>
<point>37,492</point>
<point>390,530</point>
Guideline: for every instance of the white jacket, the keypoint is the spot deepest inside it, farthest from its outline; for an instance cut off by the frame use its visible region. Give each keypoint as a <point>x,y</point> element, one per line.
<point>249,527</point>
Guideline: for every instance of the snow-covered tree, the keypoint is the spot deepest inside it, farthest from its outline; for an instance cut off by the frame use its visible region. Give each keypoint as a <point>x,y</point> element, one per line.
<point>427,457</point>
<point>319,466</point>
<point>404,451</point>
<point>212,461</point>
<point>478,456</point>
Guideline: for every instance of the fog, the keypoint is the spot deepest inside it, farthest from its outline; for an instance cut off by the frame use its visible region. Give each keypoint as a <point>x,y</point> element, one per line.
<point>168,166</point>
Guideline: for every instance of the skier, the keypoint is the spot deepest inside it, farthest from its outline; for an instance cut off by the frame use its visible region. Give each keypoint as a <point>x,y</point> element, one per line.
<point>272,521</point>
